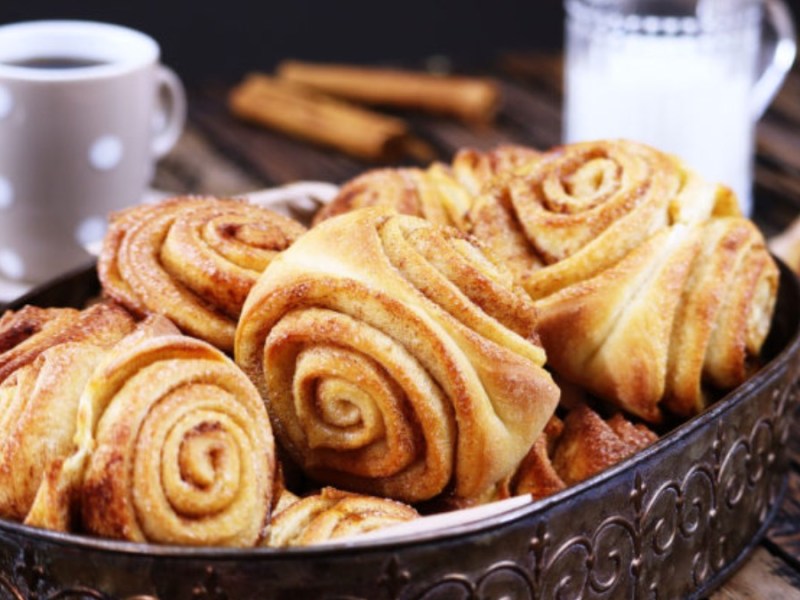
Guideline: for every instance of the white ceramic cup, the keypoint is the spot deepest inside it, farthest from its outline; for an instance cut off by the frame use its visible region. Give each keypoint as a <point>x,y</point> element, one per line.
<point>85,111</point>
<point>690,77</point>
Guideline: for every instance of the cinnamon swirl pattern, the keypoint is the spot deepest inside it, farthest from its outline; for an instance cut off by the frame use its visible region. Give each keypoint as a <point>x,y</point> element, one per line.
<point>192,259</point>
<point>634,261</point>
<point>37,423</point>
<point>475,170</point>
<point>688,309</point>
<point>46,357</point>
<point>581,208</point>
<point>432,194</point>
<point>29,331</point>
<point>332,514</point>
<point>395,358</point>
<point>441,194</point>
<point>173,446</point>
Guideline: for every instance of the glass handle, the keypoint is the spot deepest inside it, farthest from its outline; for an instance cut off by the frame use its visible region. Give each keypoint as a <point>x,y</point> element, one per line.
<point>779,18</point>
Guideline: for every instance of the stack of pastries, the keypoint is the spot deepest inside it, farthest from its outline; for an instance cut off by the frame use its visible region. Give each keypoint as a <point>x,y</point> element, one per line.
<point>511,323</point>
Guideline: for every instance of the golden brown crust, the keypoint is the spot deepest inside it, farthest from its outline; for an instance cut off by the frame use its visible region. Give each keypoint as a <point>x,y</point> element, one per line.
<point>395,358</point>
<point>631,258</point>
<point>590,445</point>
<point>173,446</point>
<point>29,331</point>
<point>37,424</point>
<point>536,474</point>
<point>723,315</point>
<point>333,514</point>
<point>476,170</point>
<point>432,194</point>
<point>192,259</point>
<point>577,448</point>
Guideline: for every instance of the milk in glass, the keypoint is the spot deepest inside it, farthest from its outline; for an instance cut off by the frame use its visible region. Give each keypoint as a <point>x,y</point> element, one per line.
<point>668,83</point>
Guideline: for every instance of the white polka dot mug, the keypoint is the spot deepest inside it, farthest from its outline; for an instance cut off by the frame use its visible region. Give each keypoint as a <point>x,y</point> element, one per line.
<point>85,111</point>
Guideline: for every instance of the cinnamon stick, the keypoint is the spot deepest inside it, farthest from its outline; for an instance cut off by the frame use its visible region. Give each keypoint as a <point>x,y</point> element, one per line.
<point>301,112</point>
<point>467,98</point>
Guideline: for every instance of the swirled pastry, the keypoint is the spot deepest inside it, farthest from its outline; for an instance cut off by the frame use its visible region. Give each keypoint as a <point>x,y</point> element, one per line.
<point>37,422</point>
<point>589,444</point>
<point>46,357</point>
<point>581,208</point>
<point>395,358</point>
<point>691,305</point>
<point>192,259</point>
<point>440,194</point>
<point>577,448</point>
<point>475,170</point>
<point>332,514</point>
<point>634,261</point>
<point>173,446</point>
<point>29,331</point>
<point>432,194</point>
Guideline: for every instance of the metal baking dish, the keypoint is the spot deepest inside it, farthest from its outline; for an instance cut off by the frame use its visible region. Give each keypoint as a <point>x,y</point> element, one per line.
<point>671,522</point>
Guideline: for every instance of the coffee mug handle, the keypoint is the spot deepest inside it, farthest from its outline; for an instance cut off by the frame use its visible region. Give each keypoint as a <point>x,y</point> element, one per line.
<point>778,17</point>
<point>172,104</point>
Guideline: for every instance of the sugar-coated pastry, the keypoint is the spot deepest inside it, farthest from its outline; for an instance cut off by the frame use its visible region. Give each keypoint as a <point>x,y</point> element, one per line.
<point>580,446</point>
<point>192,259</point>
<point>29,331</point>
<point>432,194</point>
<point>395,358</point>
<point>173,446</point>
<point>333,514</point>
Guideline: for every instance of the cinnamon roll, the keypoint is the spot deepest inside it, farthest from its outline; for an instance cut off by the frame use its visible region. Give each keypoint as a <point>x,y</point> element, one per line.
<point>38,420</point>
<point>581,208</point>
<point>582,445</point>
<point>192,259</point>
<point>432,194</point>
<point>589,444</point>
<point>688,309</point>
<point>173,446</point>
<point>475,170</point>
<point>395,358</point>
<point>332,514</point>
<point>623,248</point>
<point>29,331</point>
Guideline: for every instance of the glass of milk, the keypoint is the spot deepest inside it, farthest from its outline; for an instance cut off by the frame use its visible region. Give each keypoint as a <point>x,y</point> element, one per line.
<point>690,77</point>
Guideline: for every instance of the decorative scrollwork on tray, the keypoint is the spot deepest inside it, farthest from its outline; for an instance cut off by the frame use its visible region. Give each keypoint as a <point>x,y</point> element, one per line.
<point>505,579</point>
<point>704,515</point>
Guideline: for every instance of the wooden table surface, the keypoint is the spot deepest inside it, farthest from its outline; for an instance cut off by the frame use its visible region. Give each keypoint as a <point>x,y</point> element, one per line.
<point>220,155</point>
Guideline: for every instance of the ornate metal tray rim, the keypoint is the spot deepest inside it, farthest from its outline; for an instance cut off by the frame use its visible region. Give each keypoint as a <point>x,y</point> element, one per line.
<point>723,405</point>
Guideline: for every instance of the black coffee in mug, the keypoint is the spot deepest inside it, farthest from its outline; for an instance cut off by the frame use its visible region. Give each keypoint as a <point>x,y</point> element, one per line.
<point>55,62</point>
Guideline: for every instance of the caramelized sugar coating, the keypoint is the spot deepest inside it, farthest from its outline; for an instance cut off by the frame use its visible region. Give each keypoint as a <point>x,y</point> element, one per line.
<point>192,259</point>
<point>332,514</point>
<point>395,358</point>
<point>432,194</point>
<point>174,446</point>
<point>29,331</point>
<point>581,446</point>
<point>46,357</point>
<point>589,445</point>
